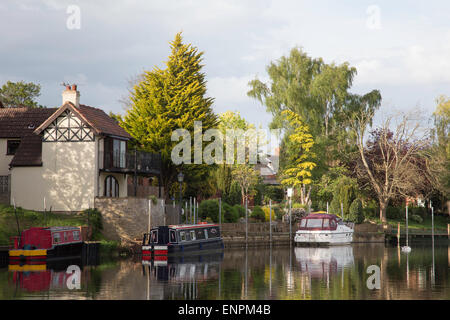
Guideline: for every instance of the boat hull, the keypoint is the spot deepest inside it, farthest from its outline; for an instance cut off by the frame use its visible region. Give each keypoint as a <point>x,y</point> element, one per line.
<point>38,255</point>
<point>325,238</point>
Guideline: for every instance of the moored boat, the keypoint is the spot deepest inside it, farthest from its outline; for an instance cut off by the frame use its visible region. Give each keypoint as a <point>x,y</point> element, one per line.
<point>323,229</point>
<point>40,244</point>
<point>180,239</point>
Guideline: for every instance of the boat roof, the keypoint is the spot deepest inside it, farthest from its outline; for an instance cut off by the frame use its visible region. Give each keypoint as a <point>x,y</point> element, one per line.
<point>322,216</point>
<point>188,226</point>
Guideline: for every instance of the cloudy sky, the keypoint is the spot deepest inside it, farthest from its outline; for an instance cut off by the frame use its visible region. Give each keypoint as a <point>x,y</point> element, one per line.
<point>400,47</point>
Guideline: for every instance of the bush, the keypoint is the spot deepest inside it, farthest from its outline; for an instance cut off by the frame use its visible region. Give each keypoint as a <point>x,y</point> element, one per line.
<point>394,213</point>
<point>209,209</point>
<point>95,221</point>
<point>419,211</point>
<point>299,206</point>
<point>298,214</point>
<point>416,218</point>
<point>258,214</point>
<point>229,213</point>
<point>355,212</point>
<point>267,213</point>
<point>240,210</point>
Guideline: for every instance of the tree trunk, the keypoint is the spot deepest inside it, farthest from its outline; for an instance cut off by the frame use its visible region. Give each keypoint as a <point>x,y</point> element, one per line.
<point>383,207</point>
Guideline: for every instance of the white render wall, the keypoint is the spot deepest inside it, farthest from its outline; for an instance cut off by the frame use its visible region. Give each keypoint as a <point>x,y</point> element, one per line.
<point>67,179</point>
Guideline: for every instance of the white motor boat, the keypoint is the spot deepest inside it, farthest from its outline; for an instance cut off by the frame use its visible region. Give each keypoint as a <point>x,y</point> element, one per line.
<point>323,229</point>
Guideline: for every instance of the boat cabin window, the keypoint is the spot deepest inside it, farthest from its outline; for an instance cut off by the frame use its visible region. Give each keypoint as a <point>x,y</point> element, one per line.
<point>154,236</point>
<point>326,223</point>
<point>76,235</point>
<point>56,238</point>
<point>314,223</point>
<point>206,233</point>
<point>183,236</point>
<point>333,224</point>
<point>213,233</point>
<point>200,234</point>
<point>192,234</point>
<point>173,237</point>
<point>303,223</point>
<point>65,236</point>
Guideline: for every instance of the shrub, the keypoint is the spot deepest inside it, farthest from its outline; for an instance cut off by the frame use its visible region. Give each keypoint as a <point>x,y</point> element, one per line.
<point>419,211</point>
<point>298,214</point>
<point>240,210</point>
<point>95,221</point>
<point>299,206</point>
<point>278,212</point>
<point>258,214</point>
<point>267,213</point>
<point>394,212</point>
<point>209,209</point>
<point>416,218</point>
<point>229,213</point>
<point>355,212</point>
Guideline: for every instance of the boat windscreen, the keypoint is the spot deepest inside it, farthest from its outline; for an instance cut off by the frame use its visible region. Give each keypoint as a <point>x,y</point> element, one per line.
<point>314,223</point>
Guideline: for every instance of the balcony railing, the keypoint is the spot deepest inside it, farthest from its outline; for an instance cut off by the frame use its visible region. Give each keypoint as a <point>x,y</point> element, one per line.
<point>132,161</point>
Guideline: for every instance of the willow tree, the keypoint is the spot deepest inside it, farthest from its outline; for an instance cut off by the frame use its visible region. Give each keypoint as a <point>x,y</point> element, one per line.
<point>300,172</point>
<point>164,100</point>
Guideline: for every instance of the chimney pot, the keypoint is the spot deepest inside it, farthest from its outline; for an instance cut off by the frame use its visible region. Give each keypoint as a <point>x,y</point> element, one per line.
<point>72,95</point>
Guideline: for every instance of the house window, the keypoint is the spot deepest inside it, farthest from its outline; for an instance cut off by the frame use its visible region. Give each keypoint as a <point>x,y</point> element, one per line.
<point>12,146</point>
<point>119,151</point>
<point>111,187</point>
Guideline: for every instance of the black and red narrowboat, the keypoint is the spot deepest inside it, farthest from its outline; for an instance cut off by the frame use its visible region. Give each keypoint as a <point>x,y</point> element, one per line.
<point>180,239</point>
<point>41,244</point>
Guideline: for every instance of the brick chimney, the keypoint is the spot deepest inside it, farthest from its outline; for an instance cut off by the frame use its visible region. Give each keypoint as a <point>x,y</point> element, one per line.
<point>71,94</point>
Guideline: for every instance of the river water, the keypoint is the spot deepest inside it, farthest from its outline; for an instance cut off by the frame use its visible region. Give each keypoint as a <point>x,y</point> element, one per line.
<point>344,273</point>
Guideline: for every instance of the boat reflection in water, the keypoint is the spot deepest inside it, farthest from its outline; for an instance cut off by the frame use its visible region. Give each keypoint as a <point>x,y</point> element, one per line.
<point>185,268</point>
<point>323,262</point>
<point>64,274</point>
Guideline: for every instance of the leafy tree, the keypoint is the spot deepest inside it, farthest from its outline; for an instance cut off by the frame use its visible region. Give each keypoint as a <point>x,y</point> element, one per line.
<point>299,174</point>
<point>439,157</point>
<point>247,178</point>
<point>164,100</point>
<point>230,214</point>
<point>224,172</point>
<point>19,94</point>
<point>355,212</point>
<point>390,162</point>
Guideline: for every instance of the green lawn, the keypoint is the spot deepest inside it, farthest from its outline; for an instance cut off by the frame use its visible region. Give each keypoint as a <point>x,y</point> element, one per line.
<point>440,223</point>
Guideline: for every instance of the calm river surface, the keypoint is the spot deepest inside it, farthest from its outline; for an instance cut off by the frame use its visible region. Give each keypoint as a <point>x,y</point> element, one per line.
<point>281,273</point>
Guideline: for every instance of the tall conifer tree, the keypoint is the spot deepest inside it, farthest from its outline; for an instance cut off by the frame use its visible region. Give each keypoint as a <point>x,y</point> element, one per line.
<point>168,99</point>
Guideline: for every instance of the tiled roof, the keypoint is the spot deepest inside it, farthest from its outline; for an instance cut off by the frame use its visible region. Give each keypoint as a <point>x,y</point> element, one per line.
<point>22,123</point>
<point>96,118</point>
<point>29,152</point>
<point>18,122</point>
<point>102,122</point>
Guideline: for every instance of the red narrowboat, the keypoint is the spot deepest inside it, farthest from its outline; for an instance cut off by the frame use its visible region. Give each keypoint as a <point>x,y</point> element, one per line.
<point>38,244</point>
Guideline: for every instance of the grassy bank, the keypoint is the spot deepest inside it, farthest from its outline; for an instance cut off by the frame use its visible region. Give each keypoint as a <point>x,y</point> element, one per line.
<point>29,218</point>
<point>440,223</point>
